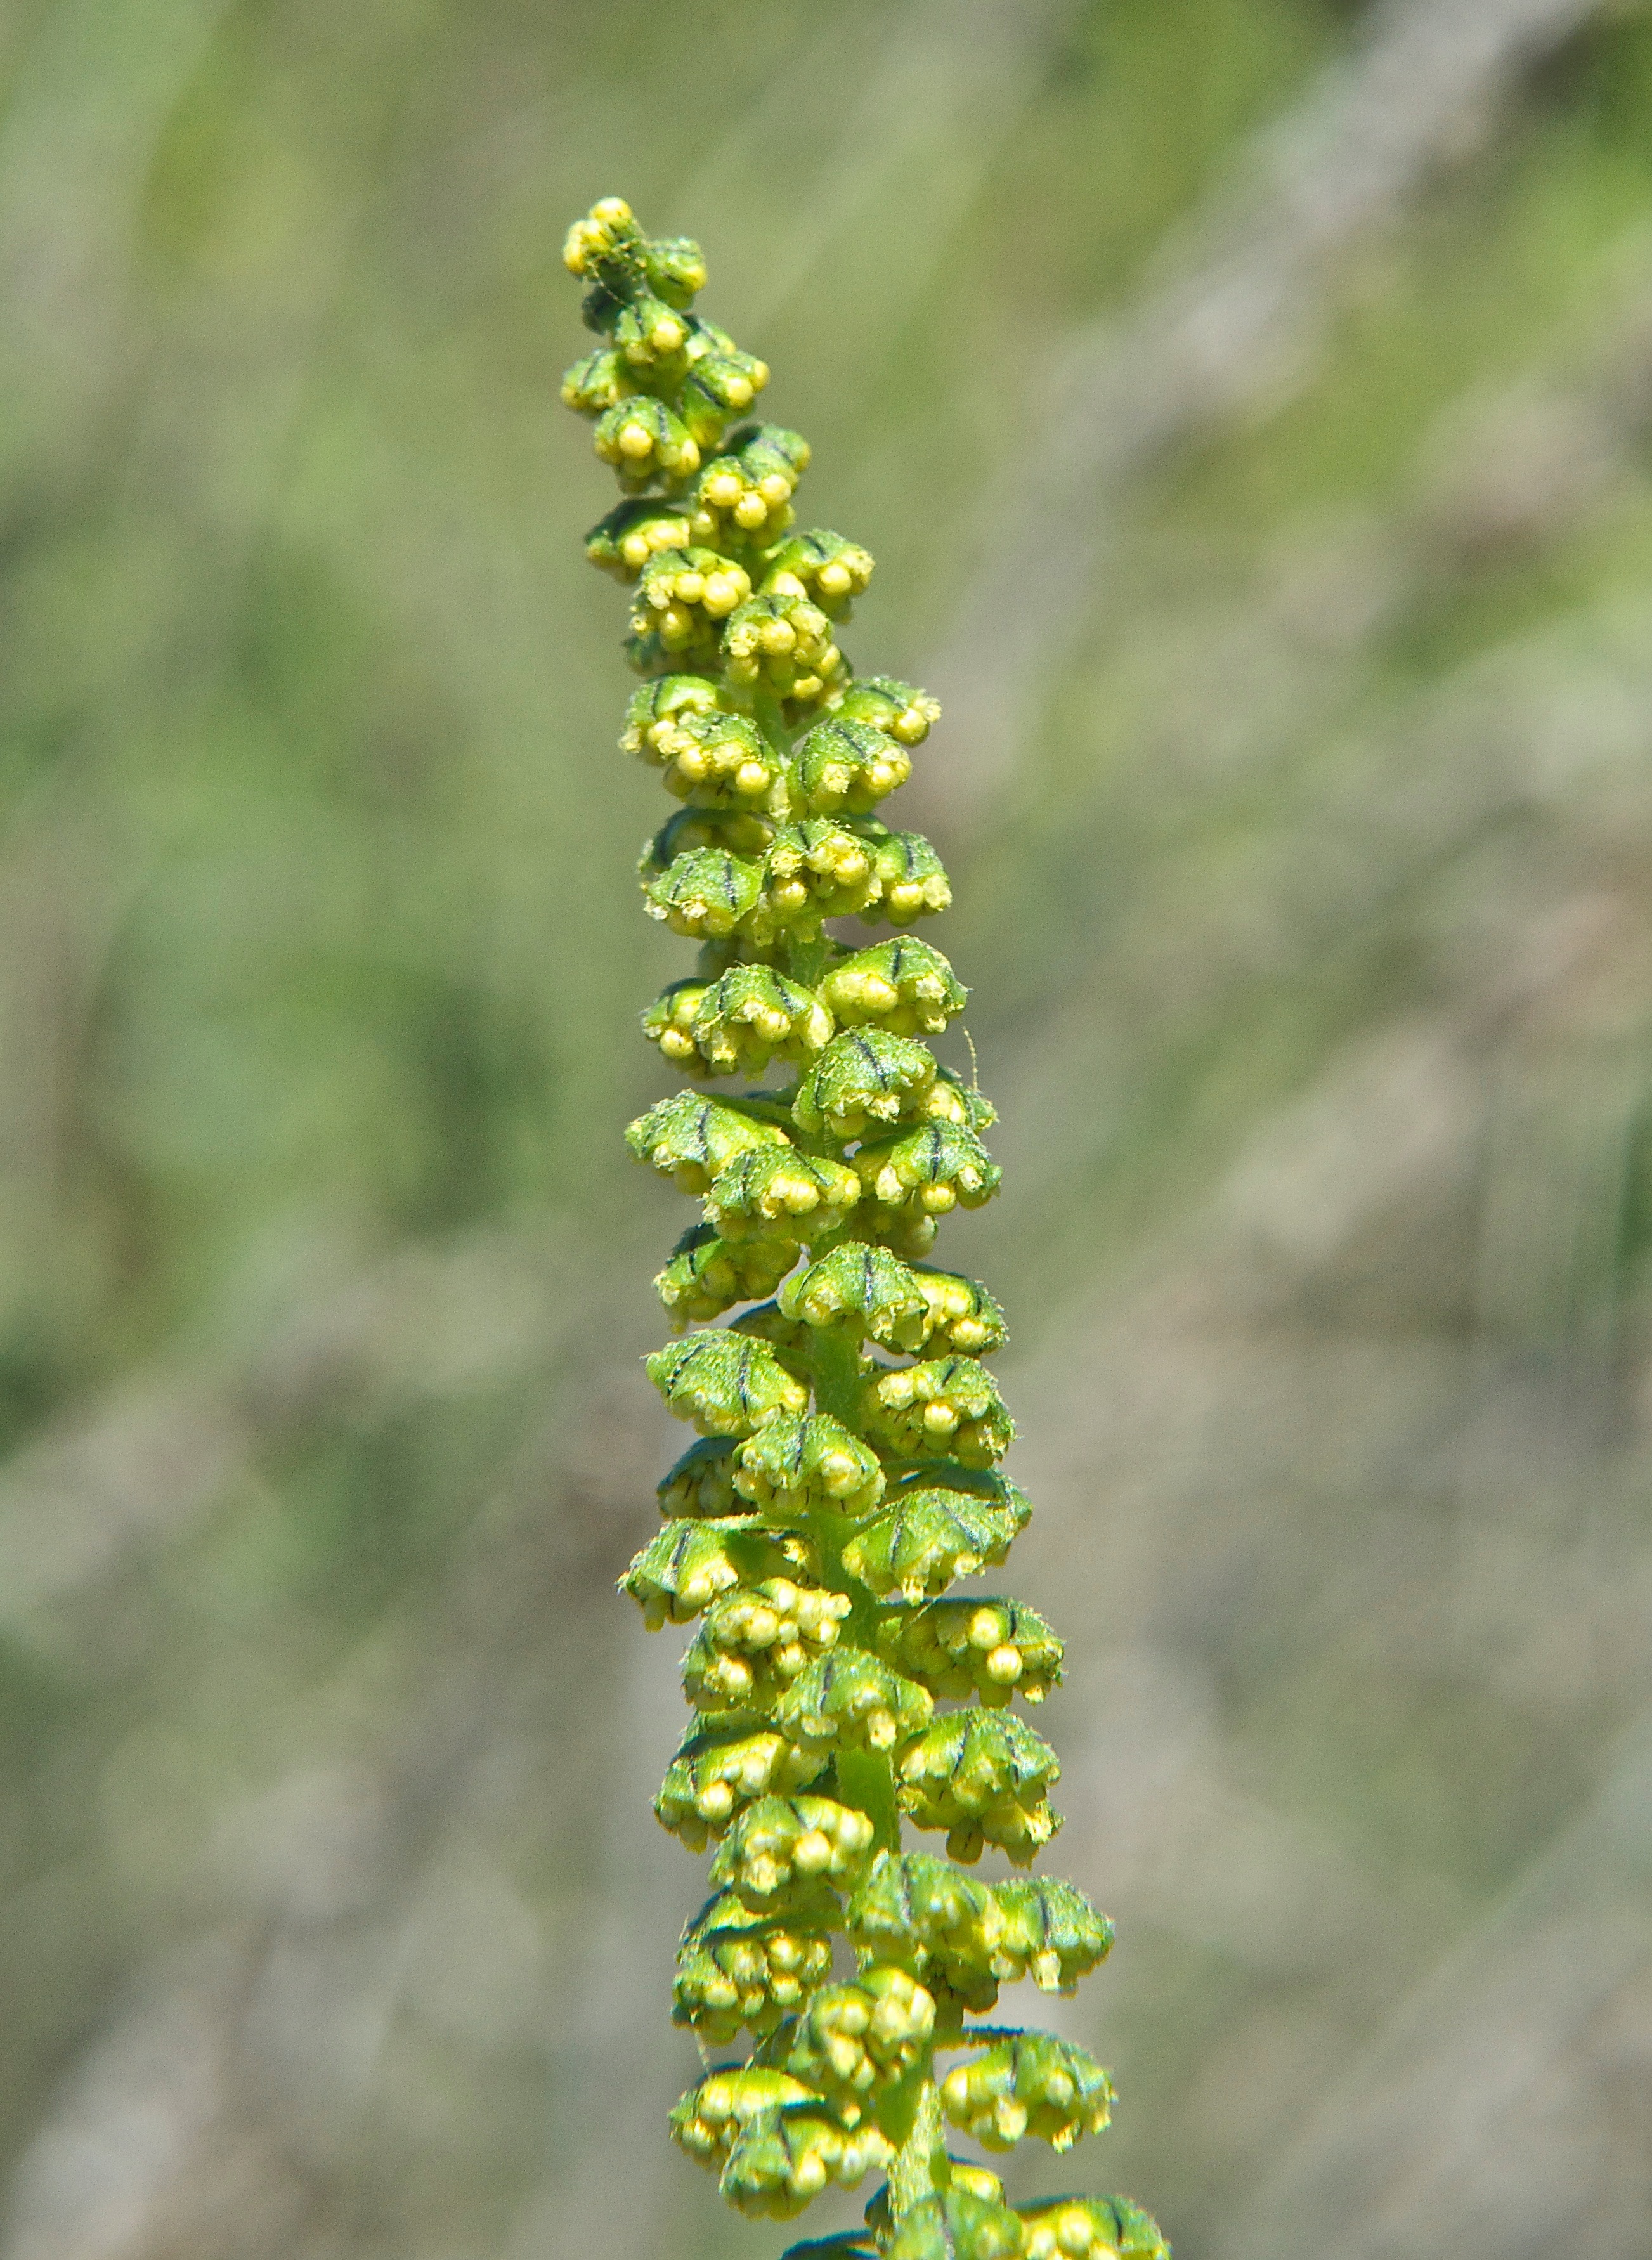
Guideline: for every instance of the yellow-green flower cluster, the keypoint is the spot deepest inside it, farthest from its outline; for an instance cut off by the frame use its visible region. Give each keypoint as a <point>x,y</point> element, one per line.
<point>845,1476</point>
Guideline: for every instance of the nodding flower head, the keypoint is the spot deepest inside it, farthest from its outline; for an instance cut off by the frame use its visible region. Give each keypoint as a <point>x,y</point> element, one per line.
<point>845,1684</point>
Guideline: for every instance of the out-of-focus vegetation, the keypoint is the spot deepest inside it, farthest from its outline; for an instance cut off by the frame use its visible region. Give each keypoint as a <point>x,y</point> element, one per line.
<point>1249,403</point>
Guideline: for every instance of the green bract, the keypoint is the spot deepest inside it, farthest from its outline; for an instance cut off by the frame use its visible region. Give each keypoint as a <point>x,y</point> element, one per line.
<point>844,1482</point>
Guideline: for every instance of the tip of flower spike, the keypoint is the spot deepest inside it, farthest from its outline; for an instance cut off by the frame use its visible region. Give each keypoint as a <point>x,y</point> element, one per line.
<point>590,237</point>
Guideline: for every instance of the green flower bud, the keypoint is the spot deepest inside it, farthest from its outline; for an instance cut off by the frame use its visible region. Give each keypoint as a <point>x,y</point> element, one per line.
<point>707,895</point>
<point>918,1912</point>
<point>669,1022</point>
<point>902,985</point>
<point>895,708</point>
<point>1090,2228</point>
<point>692,581</point>
<point>926,1539</point>
<point>721,383</point>
<point>823,566</point>
<point>1049,1930</point>
<point>912,880</point>
<point>989,1649</point>
<point>740,831</point>
<point>862,2037</point>
<point>845,765</point>
<point>747,491</point>
<point>651,339</point>
<point>721,761</point>
<point>674,266</point>
<point>779,2162</point>
<point>816,870</point>
<point>724,1382</point>
<point>708,2119</point>
<point>707,1275</point>
<point>982,1776</point>
<point>795,1467</point>
<point>864,1290</point>
<point>657,711</point>
<point>848,1700</point>
<point>956,2225</point>
<point>962,1316</point>
<point>701,1485</point>
<point>752,1015</point>
<point>953,1100</point>
<point>606,228</point>
<point>1028,2084</point>
<point>685,1567</point>
<point>721,1765</point>
<point>623,542</point>
<point>782,643</point>
<point>598,383</point>
<point>643,440</point>
<point>737,1967</point>
<point>803,1194</point>
<point>936,1168</point>
<point>692,1140</point>
<point>863,1078</point>
<point>781,1848</point>
<point>755,1643</point>
<point>948,1407</point>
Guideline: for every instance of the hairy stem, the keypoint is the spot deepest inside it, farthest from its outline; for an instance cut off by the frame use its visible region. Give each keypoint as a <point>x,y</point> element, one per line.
<point>920,2167</point>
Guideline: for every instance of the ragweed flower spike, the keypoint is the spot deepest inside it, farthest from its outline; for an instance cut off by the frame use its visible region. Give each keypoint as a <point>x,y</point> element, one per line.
<point>844,1482</point>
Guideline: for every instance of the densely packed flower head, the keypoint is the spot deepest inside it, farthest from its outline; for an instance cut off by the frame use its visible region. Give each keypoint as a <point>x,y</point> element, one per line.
<point>846,1679</point>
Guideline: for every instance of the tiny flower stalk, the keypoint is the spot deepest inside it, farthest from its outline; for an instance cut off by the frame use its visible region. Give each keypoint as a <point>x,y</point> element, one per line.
<point>844,1687</point>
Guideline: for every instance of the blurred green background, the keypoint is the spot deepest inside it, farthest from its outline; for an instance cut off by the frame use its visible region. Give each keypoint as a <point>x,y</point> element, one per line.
<point>1249,402</point>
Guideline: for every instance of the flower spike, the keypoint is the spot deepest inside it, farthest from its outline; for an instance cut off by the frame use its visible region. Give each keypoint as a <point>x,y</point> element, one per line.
<point>844,1481</point>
